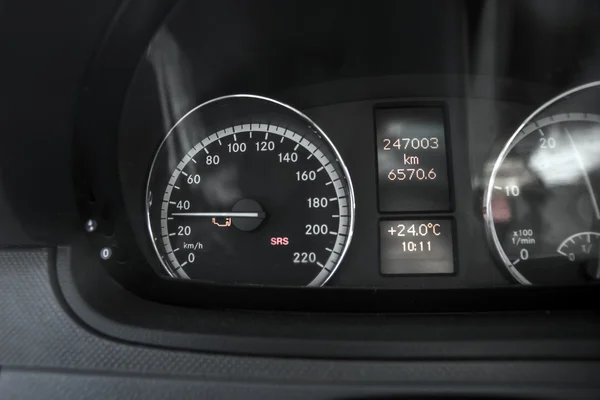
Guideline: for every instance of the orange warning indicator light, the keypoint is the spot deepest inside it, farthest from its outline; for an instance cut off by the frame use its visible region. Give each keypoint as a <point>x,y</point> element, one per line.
<point>222,222</point>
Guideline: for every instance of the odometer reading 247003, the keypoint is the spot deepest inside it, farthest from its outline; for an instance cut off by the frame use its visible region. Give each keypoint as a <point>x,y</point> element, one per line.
<point>247,190</point>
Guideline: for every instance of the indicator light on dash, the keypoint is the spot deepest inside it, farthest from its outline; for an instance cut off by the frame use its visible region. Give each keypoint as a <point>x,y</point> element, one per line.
<point>280,241</point>
<point>222,222</point>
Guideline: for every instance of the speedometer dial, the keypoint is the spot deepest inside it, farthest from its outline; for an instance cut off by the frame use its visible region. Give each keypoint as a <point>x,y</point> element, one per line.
<point>542,210</point>
<point>246,190</point>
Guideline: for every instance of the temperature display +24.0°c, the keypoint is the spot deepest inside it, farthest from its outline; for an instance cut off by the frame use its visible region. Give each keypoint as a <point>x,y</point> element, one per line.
<point>416,247</point>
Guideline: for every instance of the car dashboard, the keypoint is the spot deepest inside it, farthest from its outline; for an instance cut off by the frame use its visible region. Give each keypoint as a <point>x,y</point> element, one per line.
<point>300,199</point>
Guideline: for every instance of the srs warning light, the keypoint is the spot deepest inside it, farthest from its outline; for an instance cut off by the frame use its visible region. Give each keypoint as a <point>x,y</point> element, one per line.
<point>280,241</point>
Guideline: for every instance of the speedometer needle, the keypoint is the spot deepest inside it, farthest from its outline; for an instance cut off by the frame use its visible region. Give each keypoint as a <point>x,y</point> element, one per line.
<point>221,214</point>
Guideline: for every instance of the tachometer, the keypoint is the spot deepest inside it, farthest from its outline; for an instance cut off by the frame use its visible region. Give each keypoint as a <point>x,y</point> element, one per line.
<point>541,205</point>
<point>247,190</point>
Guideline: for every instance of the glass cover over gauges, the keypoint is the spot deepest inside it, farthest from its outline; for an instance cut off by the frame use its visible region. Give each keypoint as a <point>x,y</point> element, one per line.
<point>541,205</point>
<point>246,190</point>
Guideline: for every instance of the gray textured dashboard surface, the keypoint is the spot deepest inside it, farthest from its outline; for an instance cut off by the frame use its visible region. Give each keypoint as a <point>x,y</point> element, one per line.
<point>39,333</point>
<point>19,384</point>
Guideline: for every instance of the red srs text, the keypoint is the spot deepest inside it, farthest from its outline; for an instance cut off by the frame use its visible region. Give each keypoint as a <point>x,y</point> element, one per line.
<point>280,241</point>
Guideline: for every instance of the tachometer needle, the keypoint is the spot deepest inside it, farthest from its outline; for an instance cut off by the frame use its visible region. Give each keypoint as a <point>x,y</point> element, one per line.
<point>220,214</point>
<point>586,177</point>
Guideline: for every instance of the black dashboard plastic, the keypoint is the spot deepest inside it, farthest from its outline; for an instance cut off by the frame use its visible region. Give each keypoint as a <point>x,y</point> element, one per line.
<point>44,335</point>
<point>311,332</point>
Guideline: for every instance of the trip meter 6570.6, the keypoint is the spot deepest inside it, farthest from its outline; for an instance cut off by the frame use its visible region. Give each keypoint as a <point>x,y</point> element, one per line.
<point>412,160</point>
<point>247,190</point>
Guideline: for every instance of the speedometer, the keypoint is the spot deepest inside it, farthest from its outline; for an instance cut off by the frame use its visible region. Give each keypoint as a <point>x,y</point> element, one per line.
<point>247,190</point>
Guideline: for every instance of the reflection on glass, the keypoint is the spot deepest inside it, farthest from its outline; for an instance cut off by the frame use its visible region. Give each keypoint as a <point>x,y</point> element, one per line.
<point>544,206</point>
